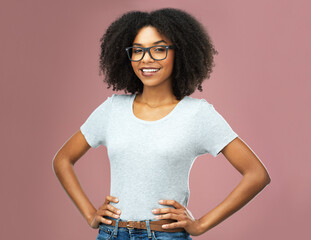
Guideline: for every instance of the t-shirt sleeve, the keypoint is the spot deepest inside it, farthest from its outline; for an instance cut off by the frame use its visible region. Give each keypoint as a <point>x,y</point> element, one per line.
<point>214,131</point>
<point>95,127</point>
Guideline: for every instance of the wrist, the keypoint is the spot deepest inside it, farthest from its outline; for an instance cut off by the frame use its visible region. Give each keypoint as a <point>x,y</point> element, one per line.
<point>201,229</point>
<point>90,217</point>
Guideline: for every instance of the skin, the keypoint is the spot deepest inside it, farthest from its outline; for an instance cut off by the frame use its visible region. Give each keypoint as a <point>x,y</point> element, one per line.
<point>158,91</point>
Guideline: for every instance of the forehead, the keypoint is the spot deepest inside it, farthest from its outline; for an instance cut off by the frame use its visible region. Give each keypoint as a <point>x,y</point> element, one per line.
<point>149,35</point>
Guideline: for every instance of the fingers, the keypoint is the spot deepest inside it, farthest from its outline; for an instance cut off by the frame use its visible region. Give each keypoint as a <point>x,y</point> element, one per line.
<point>108,210</point>
<point>171,202</point>
<point>105,220</point>
<point>181,220</point>
<point>171,215</point>
<point>167,210</point>
<point>106,204</point>
<point>179,224</point>
<point>165,216</point>
<point>112,208</point>
<point>111,199</point>
<point>179,213</point>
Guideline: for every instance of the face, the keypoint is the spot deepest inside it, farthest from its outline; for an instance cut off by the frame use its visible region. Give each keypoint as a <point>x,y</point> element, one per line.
<point>147,37</point>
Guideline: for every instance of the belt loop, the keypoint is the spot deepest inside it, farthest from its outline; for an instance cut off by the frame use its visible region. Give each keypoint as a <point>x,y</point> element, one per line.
<point>148,229</point>
<point>116,227</point>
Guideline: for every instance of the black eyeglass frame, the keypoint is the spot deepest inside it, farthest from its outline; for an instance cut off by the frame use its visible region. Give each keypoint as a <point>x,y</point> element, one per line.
<point>148,49</point>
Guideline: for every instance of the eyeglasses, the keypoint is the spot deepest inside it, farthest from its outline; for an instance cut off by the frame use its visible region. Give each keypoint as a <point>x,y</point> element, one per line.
<point>158,52</point>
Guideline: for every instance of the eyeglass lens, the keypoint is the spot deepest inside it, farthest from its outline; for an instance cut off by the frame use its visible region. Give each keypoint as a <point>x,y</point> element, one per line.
<point>157,52</point>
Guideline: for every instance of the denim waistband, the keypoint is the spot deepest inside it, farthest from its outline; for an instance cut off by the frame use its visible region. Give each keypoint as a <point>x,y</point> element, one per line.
<point>116,228</point>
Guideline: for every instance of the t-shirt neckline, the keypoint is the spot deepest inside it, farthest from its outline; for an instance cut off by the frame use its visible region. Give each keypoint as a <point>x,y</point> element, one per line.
<point>170,114</point>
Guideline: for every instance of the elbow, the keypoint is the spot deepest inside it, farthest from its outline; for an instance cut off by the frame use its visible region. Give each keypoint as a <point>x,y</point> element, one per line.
<point>260,177</point>
<point>268,179</point>
<point>55,165</point>
<point>263,178</point>
<point>58,164</point>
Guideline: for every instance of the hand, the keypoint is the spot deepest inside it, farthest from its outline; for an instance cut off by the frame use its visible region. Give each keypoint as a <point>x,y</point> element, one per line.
<point>181,214</point>
<point>105,210</point>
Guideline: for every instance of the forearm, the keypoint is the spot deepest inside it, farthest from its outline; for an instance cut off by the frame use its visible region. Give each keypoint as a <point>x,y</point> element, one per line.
<point>248,188</point>
<point>64,171</point>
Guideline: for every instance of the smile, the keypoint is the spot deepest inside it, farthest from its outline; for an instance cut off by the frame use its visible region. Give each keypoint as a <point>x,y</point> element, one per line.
<point>149,72</point>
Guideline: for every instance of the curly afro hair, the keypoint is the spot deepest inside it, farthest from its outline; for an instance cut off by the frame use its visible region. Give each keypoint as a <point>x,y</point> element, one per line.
<point>194,50</point>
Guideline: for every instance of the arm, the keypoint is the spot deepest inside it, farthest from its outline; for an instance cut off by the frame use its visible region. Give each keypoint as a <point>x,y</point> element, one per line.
<point>255,178</point>
<point>63,163</point>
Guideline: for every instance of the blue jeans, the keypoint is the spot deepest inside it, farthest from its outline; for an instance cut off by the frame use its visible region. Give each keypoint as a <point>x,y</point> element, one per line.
<point>109,232</point>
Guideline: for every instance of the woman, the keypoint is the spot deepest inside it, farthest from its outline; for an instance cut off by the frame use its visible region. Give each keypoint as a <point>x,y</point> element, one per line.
<point>154,134</point>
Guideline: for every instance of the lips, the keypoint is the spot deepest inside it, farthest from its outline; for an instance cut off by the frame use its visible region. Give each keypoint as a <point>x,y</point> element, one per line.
<point>148,68</point>
<point>150,72</point>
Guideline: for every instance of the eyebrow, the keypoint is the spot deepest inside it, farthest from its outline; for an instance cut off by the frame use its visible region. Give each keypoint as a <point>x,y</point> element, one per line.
<point>153,43</point>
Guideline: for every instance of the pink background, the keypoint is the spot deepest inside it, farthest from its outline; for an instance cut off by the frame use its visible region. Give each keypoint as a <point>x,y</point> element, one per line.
<point>50,85</point>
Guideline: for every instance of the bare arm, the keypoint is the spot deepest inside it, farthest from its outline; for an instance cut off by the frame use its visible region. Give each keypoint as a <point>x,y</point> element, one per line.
<point>255,178</point>
<point>63,164</point>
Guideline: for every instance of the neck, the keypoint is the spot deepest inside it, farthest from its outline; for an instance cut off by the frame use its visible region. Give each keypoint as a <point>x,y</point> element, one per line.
<point>156,98</point>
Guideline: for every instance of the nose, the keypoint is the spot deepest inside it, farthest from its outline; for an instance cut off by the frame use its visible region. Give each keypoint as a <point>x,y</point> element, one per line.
<point>147,57</point>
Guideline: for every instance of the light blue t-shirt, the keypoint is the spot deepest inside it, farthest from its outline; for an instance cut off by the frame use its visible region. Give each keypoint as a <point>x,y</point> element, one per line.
<point>151,160</point>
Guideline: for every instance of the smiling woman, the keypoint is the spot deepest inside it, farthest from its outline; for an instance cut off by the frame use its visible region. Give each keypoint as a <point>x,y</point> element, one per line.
<point>158,64</point>
<point>154,134</point>
<point>193,56</point>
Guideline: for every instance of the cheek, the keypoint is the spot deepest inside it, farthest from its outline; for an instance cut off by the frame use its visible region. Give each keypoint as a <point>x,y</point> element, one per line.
<point>170,61</point>
<point>134,66</point>
<point>170,58</point>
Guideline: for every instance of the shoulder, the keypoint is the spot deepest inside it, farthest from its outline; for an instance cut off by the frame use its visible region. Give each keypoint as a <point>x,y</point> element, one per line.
<point>200,104</point>
<point>205,111</point>
<point>192,101</point>
<point>120,101</point>
<point>120,97</point>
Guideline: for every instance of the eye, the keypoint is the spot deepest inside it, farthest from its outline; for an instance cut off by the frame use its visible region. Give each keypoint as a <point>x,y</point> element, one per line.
<point>160,49</point>
<point>137,50</point>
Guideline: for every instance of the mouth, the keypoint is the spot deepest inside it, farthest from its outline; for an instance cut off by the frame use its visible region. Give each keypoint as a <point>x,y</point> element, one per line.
<point>149,71</point>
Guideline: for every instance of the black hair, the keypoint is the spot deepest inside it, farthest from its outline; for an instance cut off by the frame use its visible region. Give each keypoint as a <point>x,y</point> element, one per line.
<point>194,50</point>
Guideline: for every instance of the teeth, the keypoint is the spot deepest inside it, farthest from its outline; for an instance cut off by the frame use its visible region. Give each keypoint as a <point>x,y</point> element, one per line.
<point>150,70</point>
